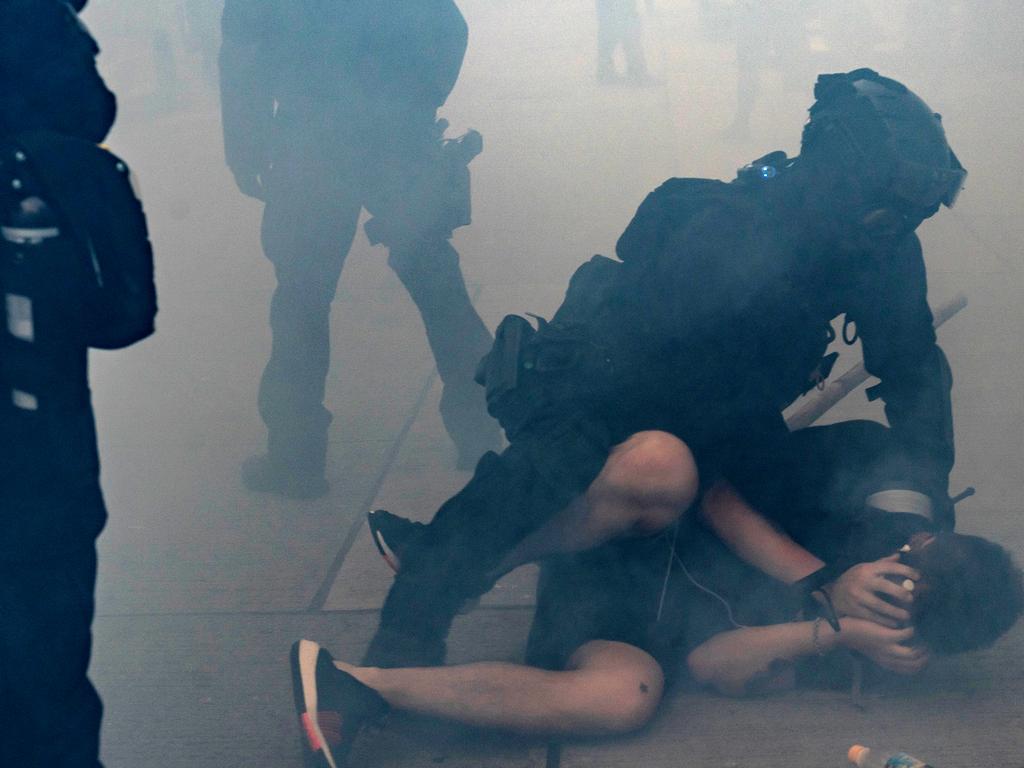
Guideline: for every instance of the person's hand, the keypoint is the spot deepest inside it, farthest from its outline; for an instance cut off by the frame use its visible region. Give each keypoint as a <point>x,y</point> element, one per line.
<point>891,649</point>
<point>858,592</point>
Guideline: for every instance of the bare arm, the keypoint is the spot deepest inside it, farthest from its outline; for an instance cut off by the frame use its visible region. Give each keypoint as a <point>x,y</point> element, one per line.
<point>753,538</point>
<point>756,659</point>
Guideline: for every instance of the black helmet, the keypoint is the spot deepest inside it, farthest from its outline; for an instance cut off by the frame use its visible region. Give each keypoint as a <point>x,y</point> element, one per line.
<point>48,75</point>
<point>886,139</point>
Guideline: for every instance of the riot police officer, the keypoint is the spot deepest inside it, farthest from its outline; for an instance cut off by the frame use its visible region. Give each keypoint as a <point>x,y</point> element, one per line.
<point>716,317</point>
<point>328,109</point>
<point>75,272</point>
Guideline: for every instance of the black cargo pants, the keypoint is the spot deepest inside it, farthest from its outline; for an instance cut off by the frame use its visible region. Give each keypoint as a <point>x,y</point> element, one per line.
<point>560,440</point>
<point>49,711</point>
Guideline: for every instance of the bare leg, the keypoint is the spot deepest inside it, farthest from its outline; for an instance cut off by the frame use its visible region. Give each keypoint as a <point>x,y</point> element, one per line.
<point>647,483</point>
<point>608,688</point>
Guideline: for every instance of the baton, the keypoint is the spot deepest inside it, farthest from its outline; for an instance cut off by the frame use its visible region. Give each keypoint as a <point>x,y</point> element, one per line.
<point>819,403</point>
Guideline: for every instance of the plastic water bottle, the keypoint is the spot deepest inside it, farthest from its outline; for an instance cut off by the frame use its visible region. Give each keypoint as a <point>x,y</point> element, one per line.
<point>863,757</point>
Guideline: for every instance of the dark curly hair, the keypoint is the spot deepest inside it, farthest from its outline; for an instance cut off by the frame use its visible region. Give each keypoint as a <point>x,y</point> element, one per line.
<point>970,592</point>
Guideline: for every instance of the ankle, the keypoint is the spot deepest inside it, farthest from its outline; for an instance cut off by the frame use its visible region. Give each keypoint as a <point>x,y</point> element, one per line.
<point>368,676</point>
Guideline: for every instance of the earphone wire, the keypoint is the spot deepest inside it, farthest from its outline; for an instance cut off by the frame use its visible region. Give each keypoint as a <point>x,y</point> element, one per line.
<point>673,556</point>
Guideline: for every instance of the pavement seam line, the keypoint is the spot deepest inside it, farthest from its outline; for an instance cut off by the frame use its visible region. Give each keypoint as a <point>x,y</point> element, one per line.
<point>323,592</point>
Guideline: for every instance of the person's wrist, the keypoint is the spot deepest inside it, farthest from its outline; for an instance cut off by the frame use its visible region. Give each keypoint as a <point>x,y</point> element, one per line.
<point>824,639</point>
<point>847,638</point>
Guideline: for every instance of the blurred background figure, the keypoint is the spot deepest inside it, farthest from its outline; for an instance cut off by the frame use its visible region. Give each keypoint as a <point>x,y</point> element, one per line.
<point>328,109</point>
<point>201,27</point>
<point>618,25</point>
<point>75,272</point>
<point>768,35</point>
<point>792,39</point>
<point>163,55</point>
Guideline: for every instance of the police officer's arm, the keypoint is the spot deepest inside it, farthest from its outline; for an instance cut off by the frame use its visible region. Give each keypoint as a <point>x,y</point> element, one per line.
<point>125,307</point>
<point>895,326</point>
<point>50,64</point>
<point>246,90</point>
<point>867,590</point>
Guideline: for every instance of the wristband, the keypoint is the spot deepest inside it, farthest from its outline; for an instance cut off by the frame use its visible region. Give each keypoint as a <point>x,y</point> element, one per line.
<point>816,579</point>
<point>830,610</point>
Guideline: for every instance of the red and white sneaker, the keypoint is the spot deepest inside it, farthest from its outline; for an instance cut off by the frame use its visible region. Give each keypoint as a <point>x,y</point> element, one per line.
<point>333,707</point>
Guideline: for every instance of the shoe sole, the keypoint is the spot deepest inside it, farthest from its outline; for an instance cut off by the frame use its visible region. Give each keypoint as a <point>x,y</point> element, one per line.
<point>317,752</point>
<point>393,561</point>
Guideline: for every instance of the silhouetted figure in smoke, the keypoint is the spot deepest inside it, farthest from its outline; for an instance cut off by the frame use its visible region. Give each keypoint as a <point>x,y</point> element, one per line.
<point>618,24</point>
<point>768,34</point>
<point>201,31</point>
<point>717,317</point>
<point>330,108</point>
<point>75,272</point>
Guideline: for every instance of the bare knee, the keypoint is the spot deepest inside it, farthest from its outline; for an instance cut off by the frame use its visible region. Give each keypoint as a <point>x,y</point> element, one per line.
<point>623,685</point>
<point>657,471</point>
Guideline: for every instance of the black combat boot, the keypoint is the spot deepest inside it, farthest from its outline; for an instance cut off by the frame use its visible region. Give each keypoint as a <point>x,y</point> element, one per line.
<point>293,465</point>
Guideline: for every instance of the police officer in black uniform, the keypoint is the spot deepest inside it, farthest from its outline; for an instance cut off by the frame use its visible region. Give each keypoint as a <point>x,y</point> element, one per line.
<point>75,272</point>
<point>716,317</point>
<point>328,109</point>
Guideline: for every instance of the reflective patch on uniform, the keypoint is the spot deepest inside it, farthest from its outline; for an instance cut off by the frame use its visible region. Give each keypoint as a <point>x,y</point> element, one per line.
<point>122,167</point>
<point>29,235</point>
<point>902,500</point>
<point>19,317</point>
<point>24,400</point>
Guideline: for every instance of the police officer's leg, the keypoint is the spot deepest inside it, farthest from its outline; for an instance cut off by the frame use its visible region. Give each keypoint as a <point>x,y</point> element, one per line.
<point>421,196</point>
<point>429,270</point>
<point>51,712</point>
<point>308,226</point>
<point>457,554</point>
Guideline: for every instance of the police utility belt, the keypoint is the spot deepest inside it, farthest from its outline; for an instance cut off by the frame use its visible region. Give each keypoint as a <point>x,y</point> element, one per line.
<point>552,355</point>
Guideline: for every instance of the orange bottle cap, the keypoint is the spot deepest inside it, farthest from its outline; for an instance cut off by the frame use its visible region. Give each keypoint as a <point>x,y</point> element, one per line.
<point>855,753</point>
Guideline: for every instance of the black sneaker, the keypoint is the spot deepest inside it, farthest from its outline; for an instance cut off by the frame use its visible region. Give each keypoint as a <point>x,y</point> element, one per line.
<point>392,535</point>
<point>260,473</point>
<point>333,707</point>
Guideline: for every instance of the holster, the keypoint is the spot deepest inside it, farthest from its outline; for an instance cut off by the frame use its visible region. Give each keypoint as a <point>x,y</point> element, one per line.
<point>531,373</point>
<point>498,370</point>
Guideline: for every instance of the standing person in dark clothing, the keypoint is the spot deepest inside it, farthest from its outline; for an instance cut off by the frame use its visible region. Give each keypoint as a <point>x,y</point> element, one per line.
<point>75,272</point>
<point>717,317</point>
<point>330,108</point>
